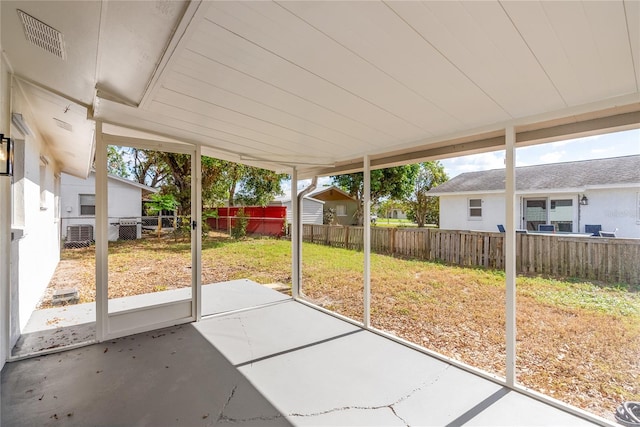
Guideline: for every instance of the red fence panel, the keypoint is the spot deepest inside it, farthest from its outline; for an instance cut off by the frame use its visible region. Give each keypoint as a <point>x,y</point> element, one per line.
<point>266,221</point>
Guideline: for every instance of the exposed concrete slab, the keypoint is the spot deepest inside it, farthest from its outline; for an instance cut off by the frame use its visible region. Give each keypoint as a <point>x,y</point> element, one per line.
<point>236,295</point>
<point>167,377</point>
<point>68,325</point>
<point>51,339</point>
<point>276,364</point>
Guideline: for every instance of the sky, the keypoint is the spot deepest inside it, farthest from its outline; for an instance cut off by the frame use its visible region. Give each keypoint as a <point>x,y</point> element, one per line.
<point>592,147</point>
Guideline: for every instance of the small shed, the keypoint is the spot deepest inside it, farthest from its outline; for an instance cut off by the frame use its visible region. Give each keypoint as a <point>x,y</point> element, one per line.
<point>312,209</point>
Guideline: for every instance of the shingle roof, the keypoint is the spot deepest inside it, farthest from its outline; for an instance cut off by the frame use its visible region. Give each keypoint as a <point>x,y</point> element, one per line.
<point>587,173</point>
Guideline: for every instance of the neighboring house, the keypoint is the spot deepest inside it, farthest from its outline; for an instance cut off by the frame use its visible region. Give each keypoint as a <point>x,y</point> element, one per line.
<point>396,213</point>
<point>604,192</point>
<point>312,209</point>
<point>341,202</point>
<point>77,200</point>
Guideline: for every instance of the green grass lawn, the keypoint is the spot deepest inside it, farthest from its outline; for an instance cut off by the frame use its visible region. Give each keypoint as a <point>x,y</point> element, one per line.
<point>578,341</point>
<point>390,222</point>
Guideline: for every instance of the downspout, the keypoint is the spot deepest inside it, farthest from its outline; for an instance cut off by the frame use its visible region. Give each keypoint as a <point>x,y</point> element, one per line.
<point>297,285</point>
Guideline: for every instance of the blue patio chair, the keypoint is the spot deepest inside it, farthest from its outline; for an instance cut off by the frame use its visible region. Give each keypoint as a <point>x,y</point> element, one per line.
<point>593,229</point>
<point>547,227</point>
<point>501,228</point>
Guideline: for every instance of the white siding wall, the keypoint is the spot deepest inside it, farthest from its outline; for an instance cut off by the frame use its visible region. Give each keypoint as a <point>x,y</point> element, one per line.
<point>608,207</point>
<point>311,211</point>
<point>125,201</point>
<point>35,250</point>
<point>454,213</point>
<point>5,215</point>
<point>613,209</point>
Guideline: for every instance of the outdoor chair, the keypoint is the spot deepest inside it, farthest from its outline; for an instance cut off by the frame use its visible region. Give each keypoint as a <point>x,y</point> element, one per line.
<point>547,227</point>
<point>608,233</point>
<point>594,230</point>
<point>501,228</point>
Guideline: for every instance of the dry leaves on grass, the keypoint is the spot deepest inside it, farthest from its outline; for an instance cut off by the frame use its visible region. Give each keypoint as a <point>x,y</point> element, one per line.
<point>584,357</point>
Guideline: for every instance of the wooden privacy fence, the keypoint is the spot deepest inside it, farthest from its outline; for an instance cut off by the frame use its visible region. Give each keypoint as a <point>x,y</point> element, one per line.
<point>610,260</point>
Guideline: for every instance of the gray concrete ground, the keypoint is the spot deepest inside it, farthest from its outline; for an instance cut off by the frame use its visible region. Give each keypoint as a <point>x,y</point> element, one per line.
<point>279,363</point>
<point>69,325</point>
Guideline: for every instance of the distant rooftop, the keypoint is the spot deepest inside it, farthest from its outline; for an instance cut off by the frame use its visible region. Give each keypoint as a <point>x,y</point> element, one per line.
<point>570,175</point>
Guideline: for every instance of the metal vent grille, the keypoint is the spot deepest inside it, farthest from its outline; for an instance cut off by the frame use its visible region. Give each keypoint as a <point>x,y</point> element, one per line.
<point>42,35</point>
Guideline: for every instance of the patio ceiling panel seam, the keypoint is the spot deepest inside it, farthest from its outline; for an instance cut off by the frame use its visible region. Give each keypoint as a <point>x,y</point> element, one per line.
<point>453,64</point>
<point>283,90</point>
<point>306,119</point>
<point>293,144</point>
<point>297,79</point>
<point>435,106</point>
<point>524,40</point>
<point>319,76</point>
<point>206,101</point>
<point>635,63</point>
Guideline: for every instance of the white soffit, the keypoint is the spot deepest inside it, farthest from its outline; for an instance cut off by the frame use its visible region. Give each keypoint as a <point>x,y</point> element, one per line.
<point>64,126</point>
<point>73,76</point>
<point>327,82</point>
<point>134,36</point>
<point>323,83</point>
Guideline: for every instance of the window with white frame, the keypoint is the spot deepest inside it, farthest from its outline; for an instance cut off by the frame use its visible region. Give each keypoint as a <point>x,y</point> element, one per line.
<point>475,209</point>
<point>341,210</point>
<point>87,204</point>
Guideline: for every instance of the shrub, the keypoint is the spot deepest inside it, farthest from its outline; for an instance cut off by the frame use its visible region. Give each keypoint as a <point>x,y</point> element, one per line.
<point>239,229</point>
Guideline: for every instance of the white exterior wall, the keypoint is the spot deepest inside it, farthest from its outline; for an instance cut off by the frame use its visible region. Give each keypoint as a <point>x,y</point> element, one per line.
<point>125,201</point>
<point>5,216</point>
<point>613,208</point>
<point>454,212</point>
<point>311,211</point>
<point>35,247</point>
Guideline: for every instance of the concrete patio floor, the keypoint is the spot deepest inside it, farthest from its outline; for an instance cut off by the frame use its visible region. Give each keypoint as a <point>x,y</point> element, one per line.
<point>70,325</point>
<point>267,361</point>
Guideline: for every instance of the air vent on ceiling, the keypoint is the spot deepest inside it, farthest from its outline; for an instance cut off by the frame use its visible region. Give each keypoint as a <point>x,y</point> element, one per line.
<point>42,35</point>
<point>63,125</point>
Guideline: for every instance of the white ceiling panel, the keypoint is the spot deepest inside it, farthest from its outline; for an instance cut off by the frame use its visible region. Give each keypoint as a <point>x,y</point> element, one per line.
<point>596,44</point>
<point>480,40</point>
<point>64,126</point>
<point>239,54</point>
<point>417,65</point>
<point>246,86</point>
<point>632,12</point>
<point>73,76</point>
<point>126,68</point>
<point>327,82</point>
<point>218,100</point>
<point>278,32</point>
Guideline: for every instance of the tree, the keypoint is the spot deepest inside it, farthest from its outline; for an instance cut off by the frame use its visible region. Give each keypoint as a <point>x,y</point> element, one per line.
<point>420,206</point>
<point>116,164</point>
<point>159,203</point>
<point>394,183</point>
<point>259,186</point>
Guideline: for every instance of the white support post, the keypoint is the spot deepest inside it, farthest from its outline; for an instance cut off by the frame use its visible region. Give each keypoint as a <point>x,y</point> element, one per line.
<point>102,237</point>
<point>510,255</point>
<point>367,242</point>
<point>5,267</point>
<point>196,233</point>
<point>295,242</point>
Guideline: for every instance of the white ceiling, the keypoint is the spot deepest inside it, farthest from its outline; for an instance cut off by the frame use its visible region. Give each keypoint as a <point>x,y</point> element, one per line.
<point>317,84</point>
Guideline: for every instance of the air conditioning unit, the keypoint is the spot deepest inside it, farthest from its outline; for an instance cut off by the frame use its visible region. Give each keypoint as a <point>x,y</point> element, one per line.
<point>80,233</point>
